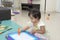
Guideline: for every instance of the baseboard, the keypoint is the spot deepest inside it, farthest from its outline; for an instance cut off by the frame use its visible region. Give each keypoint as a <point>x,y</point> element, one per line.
<point>50,11</point>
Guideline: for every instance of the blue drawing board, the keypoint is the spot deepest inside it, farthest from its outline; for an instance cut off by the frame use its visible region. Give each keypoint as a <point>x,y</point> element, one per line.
<point>23,36</point>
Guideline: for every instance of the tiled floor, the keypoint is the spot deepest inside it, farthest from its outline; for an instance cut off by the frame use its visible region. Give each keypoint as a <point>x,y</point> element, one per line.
<point>52,25</point>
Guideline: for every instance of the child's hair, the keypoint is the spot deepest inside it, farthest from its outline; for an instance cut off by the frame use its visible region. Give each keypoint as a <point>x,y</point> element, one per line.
<point>35,13</point>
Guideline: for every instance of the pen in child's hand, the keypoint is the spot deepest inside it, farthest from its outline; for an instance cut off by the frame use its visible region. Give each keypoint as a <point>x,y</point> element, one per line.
<point>19,31</point>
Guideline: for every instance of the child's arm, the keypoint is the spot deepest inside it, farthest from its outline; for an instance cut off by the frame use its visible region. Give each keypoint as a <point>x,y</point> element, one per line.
<point>42,30</point>
<point>24,28</point>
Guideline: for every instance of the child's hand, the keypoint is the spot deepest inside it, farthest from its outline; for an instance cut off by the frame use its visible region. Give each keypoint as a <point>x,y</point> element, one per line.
<point>34,31</point>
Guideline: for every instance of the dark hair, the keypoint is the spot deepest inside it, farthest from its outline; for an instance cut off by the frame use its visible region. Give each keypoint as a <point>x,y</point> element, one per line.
<point>35,13</point>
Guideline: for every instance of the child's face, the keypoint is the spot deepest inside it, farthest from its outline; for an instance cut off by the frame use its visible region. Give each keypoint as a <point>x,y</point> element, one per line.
<point>33,20</point>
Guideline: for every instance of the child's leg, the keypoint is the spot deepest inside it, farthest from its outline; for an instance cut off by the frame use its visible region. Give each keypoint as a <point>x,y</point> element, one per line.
<point>41,36</point>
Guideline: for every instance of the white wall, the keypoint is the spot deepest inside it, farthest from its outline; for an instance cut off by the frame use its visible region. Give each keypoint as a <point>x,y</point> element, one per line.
<point>51,5</point>
<point>16,3</point>
<point>58,6</point>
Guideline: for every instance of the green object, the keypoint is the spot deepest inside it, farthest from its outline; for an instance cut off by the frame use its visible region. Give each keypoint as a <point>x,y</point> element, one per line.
<point>35,27</point>
<point>6,28</point>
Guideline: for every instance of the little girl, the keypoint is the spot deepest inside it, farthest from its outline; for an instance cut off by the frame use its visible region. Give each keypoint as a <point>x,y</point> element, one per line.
<point>35,26</point>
